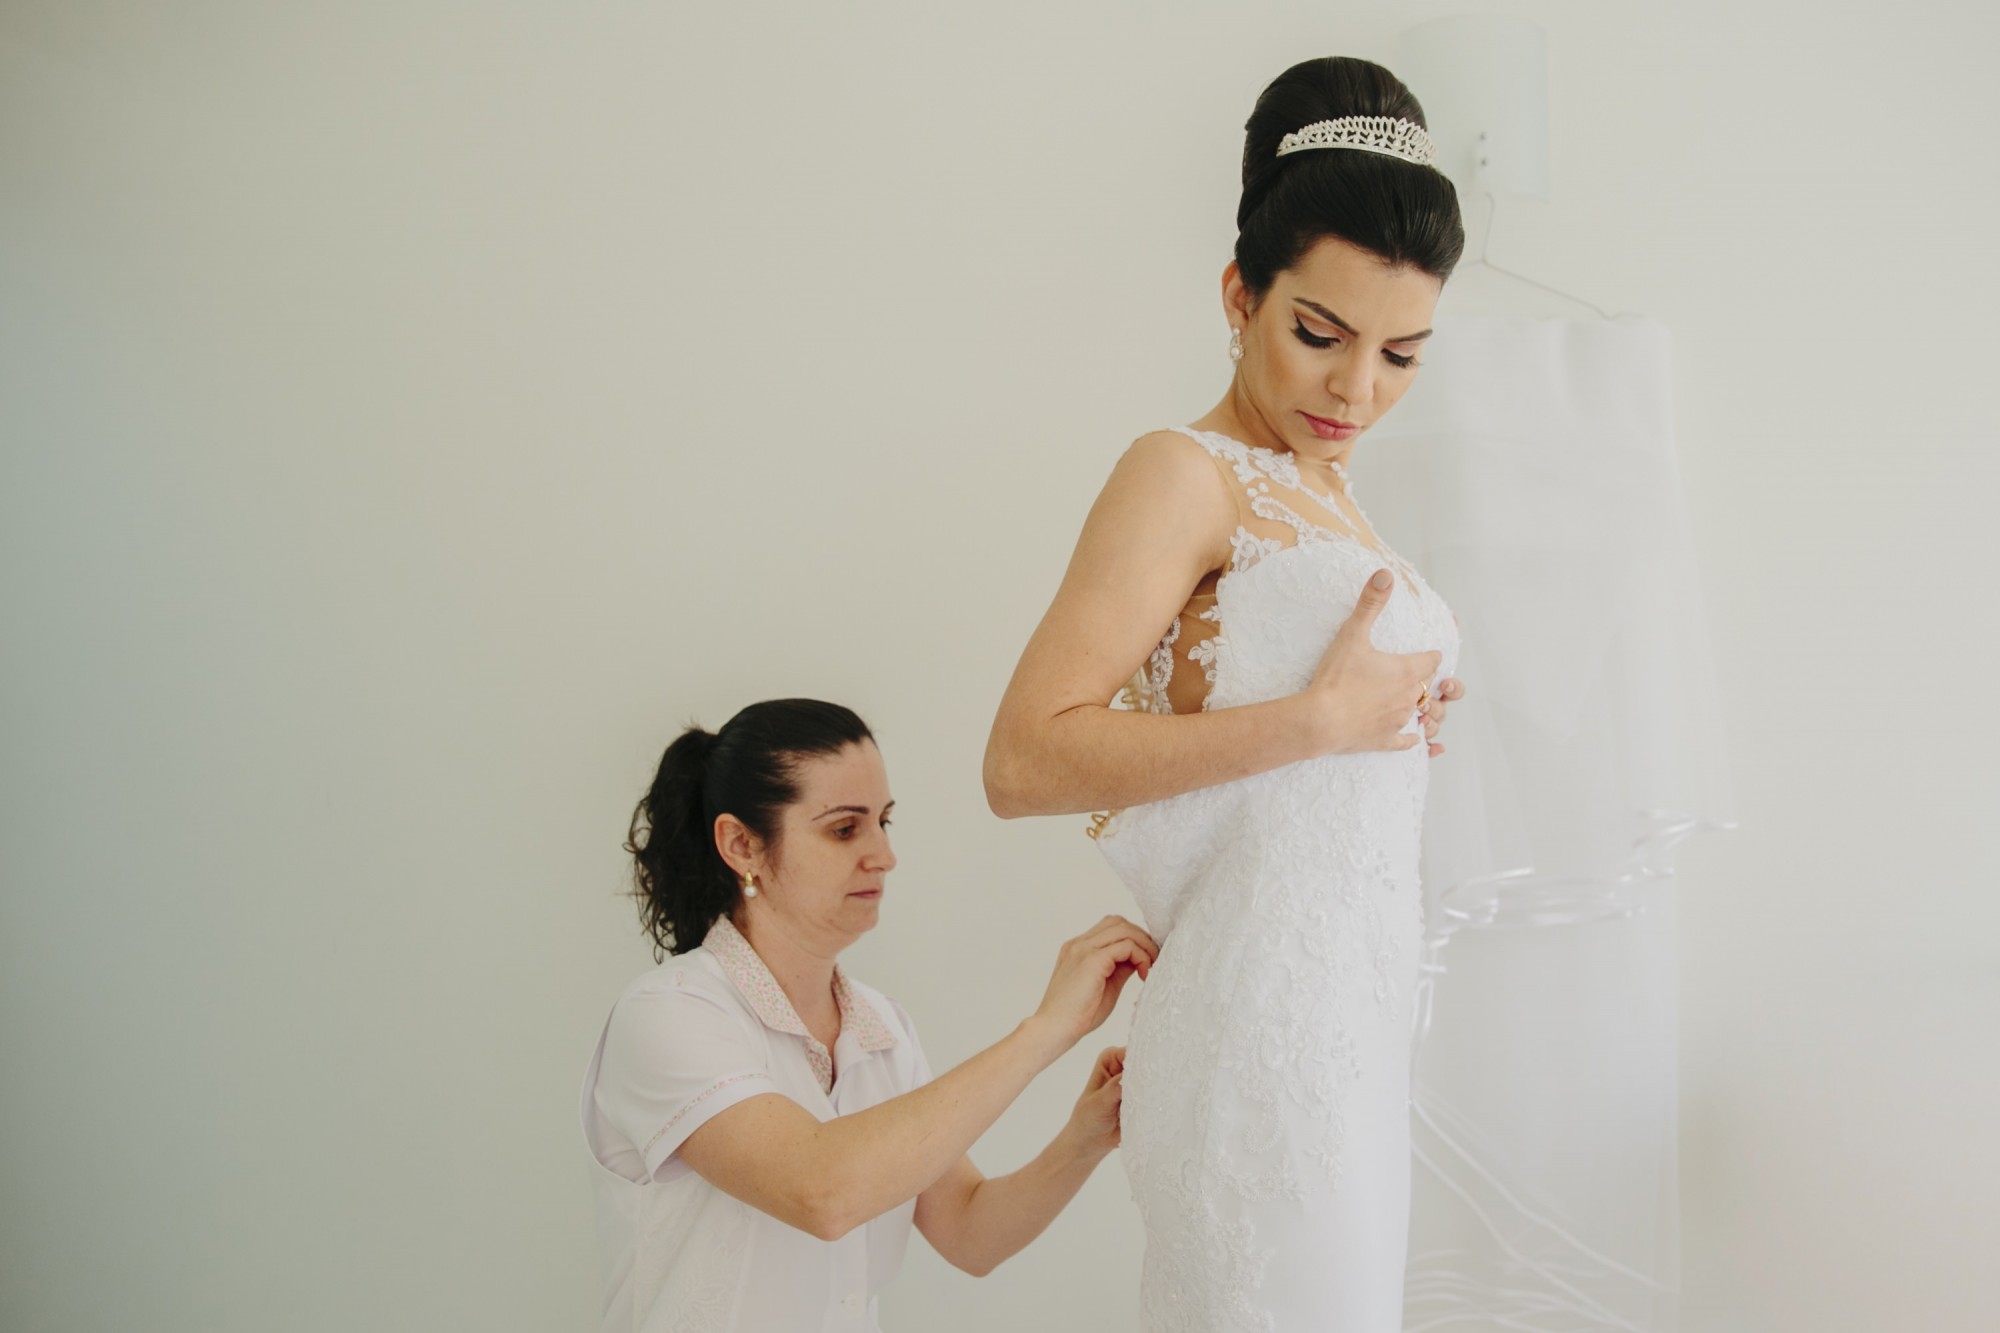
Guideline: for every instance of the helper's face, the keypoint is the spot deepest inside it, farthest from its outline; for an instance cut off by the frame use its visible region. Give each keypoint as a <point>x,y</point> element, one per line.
<point>1332,345</point>
<point>827,877</point>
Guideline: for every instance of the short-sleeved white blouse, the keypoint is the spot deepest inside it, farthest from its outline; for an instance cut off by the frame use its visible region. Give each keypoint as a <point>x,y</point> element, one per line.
<point>696,1035</point>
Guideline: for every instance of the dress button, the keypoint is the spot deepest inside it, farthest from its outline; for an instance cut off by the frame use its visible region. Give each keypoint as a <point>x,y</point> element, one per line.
<point>854,1304</point>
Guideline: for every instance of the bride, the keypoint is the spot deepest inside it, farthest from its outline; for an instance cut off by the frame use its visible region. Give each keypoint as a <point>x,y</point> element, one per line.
<point>1265,781</point>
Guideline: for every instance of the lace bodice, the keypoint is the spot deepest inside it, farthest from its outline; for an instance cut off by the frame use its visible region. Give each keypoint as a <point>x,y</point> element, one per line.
<point>1277,511</point>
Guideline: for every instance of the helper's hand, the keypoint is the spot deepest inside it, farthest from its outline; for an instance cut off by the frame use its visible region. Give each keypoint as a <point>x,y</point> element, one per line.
<point>1094,1122</point>
<point>1090,972</point>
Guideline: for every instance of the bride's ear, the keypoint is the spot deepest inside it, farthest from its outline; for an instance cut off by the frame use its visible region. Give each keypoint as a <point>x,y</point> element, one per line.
<point>1237,303</point>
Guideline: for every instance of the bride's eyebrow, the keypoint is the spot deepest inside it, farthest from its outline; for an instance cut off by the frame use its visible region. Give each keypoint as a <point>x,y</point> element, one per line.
<point>849,810</point>
<point>1338,322</point>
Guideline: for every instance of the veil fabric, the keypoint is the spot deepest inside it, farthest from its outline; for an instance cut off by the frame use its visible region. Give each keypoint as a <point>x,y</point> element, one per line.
<point>1531,474</point>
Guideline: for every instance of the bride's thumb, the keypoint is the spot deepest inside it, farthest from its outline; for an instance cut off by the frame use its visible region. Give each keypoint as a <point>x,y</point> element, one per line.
<point>1374,596</point>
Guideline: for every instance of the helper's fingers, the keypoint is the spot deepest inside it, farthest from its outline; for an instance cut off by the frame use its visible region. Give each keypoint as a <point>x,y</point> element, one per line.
<point>1089,937</point>
<point>1121,929</point>
<point>1113,925</point>
<point>1108,958</point>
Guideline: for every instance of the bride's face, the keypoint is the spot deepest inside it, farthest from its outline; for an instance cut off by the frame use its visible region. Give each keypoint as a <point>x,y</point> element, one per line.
<point>1331,346</point>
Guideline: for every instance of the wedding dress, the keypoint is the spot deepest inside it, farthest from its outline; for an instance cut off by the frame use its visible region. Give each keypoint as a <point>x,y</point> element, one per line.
<point>1266,1107</point>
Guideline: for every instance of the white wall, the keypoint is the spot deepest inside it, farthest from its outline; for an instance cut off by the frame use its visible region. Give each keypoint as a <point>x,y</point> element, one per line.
<point>413,413</point>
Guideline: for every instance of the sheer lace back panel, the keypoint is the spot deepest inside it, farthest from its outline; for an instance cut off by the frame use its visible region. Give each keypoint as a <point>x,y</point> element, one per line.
<point>1275,510</point>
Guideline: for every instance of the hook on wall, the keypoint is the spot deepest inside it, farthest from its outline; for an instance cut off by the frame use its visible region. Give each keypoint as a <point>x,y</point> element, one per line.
<point>1481,261</point>
<point>1483,80</point>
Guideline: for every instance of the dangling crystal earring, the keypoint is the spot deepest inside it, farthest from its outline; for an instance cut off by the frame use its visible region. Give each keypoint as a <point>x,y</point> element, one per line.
<point>1236,344</point>
<point>749,885</point>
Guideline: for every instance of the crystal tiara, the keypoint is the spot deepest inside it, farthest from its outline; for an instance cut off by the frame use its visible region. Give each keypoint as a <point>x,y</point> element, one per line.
<point>1388,135</point>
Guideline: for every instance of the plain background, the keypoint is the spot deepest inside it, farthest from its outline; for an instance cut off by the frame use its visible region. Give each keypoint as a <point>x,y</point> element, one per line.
<point>413,413</point>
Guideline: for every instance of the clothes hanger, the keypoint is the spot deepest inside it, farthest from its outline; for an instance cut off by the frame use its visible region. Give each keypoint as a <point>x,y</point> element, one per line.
<point>1492,207</point>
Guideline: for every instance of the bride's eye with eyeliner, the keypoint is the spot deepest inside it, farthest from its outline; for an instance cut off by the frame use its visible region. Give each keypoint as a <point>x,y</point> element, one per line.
<point>1395,360</point>
<point>1310,339</point>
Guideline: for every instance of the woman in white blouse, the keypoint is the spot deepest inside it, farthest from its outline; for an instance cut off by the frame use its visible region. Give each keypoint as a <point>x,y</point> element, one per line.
<point>764,1125</point>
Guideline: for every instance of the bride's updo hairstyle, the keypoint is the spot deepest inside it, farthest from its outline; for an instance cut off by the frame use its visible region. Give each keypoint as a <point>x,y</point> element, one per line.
<point>748,767</point>
<point>1403,212</point>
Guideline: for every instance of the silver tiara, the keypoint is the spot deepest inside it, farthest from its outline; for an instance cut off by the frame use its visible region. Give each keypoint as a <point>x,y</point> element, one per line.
<point>1388,135</point>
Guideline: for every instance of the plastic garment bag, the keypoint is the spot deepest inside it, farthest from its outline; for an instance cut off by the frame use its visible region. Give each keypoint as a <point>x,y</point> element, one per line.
<point>1530,473</point>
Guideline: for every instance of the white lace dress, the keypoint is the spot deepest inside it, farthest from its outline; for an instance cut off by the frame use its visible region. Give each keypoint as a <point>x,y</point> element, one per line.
<point>1267,1084</point>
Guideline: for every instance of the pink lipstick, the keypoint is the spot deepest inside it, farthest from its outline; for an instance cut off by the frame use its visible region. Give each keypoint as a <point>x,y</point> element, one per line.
<point>1329,429</point>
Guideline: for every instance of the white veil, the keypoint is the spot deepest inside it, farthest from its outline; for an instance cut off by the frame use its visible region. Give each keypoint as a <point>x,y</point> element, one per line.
<point>1531,475</point>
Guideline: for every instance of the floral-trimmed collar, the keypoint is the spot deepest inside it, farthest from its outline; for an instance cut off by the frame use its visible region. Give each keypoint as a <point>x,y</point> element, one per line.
<point>747,972</point>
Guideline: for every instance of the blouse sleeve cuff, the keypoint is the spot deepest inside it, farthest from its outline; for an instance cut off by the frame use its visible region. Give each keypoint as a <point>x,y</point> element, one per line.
<point>698,1110</point>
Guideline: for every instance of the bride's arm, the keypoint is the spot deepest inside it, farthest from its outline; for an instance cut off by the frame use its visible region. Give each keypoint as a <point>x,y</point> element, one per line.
<point>1162,522</point>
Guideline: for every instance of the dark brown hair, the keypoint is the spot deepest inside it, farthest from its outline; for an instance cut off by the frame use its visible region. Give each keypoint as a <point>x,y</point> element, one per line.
<point>1405,213</point>
<point>748,767</point>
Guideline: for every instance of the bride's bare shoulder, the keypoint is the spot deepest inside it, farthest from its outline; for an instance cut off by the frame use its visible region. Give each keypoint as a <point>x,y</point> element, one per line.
<point>1171,447</point>
<point>1169,460</point>
<point>1164,469</point>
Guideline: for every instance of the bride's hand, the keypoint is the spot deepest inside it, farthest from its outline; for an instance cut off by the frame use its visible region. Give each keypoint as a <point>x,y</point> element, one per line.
<point>1090,972</point>
<point>1368,696</point>
<point>1449,690</point>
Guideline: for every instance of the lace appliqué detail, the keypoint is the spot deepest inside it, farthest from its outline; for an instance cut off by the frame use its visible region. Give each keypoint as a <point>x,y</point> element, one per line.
<point>1206,653</point>
<point>1263,506</point>
<point>1256,468</point>
<point>1246,548</point>
<point>1160,671</point>
<point>1189,1243</point>
<point>1146,692</point>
